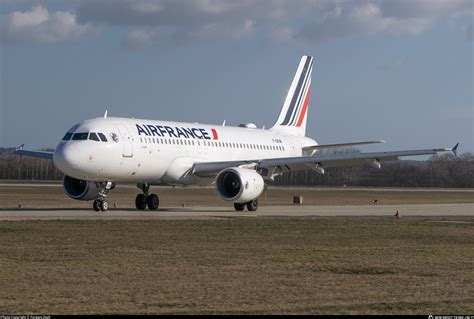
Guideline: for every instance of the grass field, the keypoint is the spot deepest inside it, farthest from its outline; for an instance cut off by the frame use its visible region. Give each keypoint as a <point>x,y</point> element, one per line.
<point>242,265</point>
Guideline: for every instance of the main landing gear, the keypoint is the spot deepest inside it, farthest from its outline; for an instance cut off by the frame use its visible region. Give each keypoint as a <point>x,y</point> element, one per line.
<point>145,199</point>
<point>251,206</point>
<point>101,203</point>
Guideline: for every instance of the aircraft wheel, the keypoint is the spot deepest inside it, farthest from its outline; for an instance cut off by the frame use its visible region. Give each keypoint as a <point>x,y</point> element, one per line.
<point>252,205</point>
<point>239,207</point>
<point>140,202</point>
<point>104,205</point>
<point>153,202</point>
<point>96,205</point>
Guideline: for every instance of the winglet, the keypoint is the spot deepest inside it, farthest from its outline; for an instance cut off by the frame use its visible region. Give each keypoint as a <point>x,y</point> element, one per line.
<point>19,148</point>
<point>455,150</point>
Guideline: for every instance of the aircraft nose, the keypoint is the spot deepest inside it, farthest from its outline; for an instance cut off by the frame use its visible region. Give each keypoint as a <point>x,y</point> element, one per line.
<point>65,158</point>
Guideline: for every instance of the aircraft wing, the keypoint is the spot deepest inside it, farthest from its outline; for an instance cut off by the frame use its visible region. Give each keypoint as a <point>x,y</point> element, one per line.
<point>317,162</point>
<point>40,154</point>
<point>326,146</point>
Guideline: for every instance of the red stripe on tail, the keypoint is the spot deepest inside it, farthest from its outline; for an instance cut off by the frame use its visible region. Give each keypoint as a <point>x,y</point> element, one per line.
<point>303,111</point>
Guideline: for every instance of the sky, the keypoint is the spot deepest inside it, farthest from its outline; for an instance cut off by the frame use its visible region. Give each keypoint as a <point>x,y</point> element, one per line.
<point>396,70</point>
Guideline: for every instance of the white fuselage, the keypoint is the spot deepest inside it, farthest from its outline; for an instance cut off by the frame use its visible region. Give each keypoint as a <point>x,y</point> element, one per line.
<point>162,152</point>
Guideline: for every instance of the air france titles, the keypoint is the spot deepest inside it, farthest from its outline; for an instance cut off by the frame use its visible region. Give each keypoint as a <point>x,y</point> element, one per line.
<point>168,131</point>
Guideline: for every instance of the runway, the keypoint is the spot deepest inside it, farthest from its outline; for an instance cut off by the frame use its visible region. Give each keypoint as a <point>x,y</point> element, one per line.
<point>296,211</point>
<point>48,202</point>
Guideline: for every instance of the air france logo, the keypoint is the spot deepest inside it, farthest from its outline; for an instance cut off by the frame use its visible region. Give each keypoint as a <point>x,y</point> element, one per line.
<point>168,131</point>
<point>114,137</point>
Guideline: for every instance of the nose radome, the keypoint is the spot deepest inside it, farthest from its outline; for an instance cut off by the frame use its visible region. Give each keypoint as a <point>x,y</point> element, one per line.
<point>65,158</point>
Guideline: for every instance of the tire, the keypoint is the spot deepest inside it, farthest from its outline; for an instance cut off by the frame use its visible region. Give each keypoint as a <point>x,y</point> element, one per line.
<point>153,202</point>
<point>252,205</point>
<point>140,202</point>
<point>96,205</point>
<point>104,205</point>
<point>239,207</point>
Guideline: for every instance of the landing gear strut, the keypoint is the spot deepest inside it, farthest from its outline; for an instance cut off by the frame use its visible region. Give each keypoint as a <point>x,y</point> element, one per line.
<point>146,199</point>
<point>101,203</point>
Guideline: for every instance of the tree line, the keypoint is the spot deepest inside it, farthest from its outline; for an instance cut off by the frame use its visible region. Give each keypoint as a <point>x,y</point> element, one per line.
<point>439,171</point>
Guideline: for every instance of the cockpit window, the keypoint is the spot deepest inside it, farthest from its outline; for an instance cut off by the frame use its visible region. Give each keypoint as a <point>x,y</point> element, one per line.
<point>94,137</point>
<point>67,137</point>
<point>102,137</point>
<point>80,136</point>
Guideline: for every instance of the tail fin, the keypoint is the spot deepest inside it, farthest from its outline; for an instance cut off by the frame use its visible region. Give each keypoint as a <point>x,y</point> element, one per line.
<point>293,115</point>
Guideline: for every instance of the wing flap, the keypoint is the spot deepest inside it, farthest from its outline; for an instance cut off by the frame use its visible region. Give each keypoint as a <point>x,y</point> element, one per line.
<point>327,146</point>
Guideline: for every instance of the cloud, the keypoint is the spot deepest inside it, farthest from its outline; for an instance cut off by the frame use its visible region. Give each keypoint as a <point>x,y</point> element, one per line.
<point>139,39</point>
<point>40,26</point>
<point>277,20</point>
<point>152,22</point>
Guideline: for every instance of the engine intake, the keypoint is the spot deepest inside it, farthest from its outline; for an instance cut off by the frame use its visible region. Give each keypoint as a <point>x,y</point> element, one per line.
<point>239,185</point>
<point>79,189</point>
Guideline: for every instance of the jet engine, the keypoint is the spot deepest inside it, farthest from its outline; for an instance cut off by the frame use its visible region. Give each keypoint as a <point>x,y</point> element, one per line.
<point>79,189</point>
<point>239,185</point>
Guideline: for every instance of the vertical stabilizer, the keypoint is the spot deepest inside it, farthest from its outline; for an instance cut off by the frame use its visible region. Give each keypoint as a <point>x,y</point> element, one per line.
<point>293,115</point>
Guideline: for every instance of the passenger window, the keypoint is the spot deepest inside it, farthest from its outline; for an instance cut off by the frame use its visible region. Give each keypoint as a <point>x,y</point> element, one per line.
<point>102,137</point>
<point>80,136</point>
<point>94,137</point>
<point>67,137</point>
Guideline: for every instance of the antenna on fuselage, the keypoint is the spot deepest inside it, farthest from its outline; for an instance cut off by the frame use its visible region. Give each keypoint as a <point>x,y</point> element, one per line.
<point>223,123</point>
<point>105,114</point>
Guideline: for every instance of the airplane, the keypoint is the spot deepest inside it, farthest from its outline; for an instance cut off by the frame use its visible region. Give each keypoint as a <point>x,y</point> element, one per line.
<point>99,153</point>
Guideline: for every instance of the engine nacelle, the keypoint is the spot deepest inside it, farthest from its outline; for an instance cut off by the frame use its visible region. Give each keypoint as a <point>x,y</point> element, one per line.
<point>239,185</point>
<point>79,189</point>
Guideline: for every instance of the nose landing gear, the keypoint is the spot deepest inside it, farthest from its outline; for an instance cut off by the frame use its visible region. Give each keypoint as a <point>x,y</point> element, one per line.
<point>146,199</point>
<point>101,203</point>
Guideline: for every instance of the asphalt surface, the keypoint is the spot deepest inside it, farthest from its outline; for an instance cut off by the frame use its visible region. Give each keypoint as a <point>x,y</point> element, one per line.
<point>307,211</point>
